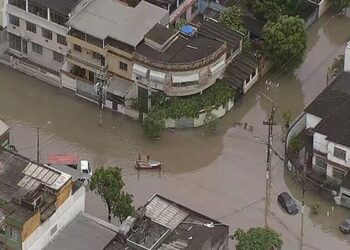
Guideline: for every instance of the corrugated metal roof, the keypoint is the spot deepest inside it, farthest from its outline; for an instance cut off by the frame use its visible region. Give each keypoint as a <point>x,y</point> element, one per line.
<point>165,213</point>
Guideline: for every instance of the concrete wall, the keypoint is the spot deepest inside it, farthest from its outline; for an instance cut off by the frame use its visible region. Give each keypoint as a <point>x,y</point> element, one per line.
<point>113,60</point>
<point>62,217</point>
<point>297,127</point>
<point>323,6</point>
<point>185,7</point>
<point>200,120</point>
<point>320,143</point>
<point>3,19</point>
<point>252,81</point>
<point>312,120</point>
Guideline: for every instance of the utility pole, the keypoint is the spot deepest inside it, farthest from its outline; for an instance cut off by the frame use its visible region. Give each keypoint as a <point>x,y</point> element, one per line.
<point>302,210</point>
<point>37,144</point>
<point>101,93</point>
<point>270,122</point>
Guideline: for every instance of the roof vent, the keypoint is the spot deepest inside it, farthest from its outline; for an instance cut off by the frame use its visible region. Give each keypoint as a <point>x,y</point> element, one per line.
<point>188,30</point>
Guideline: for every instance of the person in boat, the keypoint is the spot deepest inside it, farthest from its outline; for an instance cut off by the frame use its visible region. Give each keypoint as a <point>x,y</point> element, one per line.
<point>148,157</point>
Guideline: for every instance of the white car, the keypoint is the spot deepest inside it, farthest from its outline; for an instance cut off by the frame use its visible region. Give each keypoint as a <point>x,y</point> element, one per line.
<point>86,169</point>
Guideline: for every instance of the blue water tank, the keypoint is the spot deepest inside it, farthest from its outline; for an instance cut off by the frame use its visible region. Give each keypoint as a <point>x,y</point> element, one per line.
<point>188,30</point>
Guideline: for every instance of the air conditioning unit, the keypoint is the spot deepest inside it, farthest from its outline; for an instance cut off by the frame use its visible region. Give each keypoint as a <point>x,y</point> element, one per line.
<point>138,78</point>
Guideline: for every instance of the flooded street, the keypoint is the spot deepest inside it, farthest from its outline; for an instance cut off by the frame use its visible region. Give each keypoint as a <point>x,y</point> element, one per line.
<point>221,175</point>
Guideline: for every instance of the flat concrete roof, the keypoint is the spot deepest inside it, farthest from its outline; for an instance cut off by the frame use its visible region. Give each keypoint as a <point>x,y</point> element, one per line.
<point>84,232</point>
<point>111,18</point>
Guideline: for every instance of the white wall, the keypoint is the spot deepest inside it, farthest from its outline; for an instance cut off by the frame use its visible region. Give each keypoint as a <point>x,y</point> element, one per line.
<point>331,156</point>
<point>324,5</point>
<point>320,143</point>
<point>312,120</point>
<point>62,217</point>
<point>252,81</point>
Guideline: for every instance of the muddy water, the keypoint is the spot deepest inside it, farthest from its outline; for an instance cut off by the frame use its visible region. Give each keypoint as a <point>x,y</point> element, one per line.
<point>221,175</point>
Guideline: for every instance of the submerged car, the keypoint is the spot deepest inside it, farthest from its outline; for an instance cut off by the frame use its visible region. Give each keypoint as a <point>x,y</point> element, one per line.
<point>288,203</point>
<point>345,226</point>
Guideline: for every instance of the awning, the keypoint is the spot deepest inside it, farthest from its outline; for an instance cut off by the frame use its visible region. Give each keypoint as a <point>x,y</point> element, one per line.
<point>156,76</point>
<point>119,86</point>
<point>217,67</point>
<point>139,70</point>
<point>185,78</point>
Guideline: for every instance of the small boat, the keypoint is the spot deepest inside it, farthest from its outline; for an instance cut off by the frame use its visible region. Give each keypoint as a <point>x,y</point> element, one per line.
<point>151,164</point>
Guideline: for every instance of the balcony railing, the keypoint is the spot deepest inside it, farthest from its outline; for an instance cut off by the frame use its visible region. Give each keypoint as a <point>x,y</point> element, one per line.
<point>180,66</point>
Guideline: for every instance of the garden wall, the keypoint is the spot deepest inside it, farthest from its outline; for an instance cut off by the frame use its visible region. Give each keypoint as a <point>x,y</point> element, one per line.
<point>186,122</point>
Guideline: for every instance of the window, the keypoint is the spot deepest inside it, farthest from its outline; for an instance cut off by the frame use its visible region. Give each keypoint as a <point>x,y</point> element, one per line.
<point>123,66</point>
<point>13,20</point>
<point>77,48</point>
<point>31,27</point>
<point>13,234</point>
<point>96,55</point>
<point>46,33</point>
<point>57,57</point>
<point>58,18</point>
<point>339,153</point>
<point>18,3</point>
<point>24,46</point>
<point>37,10</point>
<point>37,48</point>
<point>321,163</point>
<point>14,42</point>
<point>338,173</point>
<point>2,229</point>
<point>61,39</point>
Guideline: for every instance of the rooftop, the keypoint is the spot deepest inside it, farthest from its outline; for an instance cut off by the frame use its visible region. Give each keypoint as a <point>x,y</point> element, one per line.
<point>111,18</point>
<point>181,50</point>
<point>61,6</point>
<point>333,105</point>
<point>331,97</point>
<point>19,176</point>
<point>167,225</point>
<point>216,30</point>
<point>3,127</point>
<point>84,232</point>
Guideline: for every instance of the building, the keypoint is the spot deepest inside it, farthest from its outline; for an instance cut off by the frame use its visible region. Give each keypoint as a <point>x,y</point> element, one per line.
<point>101,40</point>
<point>4,134</point>
<point>159,224</point>
<point>164,224</point>
<point>178,64</point>
<point>37,30</point>
<point>3,19</point>
<point>36,202</point>
<point>84,232</point>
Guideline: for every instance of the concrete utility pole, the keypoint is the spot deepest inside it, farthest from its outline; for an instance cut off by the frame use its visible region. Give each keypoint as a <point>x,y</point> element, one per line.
<point>302,210</point>
<point>270,122</point>
<point>37,144</point>
<point>101,93</point>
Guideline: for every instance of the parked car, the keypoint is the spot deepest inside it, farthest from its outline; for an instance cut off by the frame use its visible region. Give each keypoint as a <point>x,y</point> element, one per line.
<point>345,226</point>
<point>288,203</point>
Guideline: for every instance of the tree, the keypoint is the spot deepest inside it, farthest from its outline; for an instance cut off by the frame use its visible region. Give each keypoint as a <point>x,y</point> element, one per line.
<point>154,122</point>
<point>341,4</point>
<point>285,41</point>
<point>257,239</point>
<point>268,10</point>
<point>337,67</point>
<point>231,17</point>
<point>108,183</point>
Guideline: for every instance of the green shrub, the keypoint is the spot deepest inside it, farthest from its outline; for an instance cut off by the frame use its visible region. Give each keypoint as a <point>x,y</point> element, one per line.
<point>295,145</point>
<point>315,208</point>
<point>154,122</point>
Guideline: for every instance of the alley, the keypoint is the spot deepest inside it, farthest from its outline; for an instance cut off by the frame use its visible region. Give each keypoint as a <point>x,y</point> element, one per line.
<point>221,175</point>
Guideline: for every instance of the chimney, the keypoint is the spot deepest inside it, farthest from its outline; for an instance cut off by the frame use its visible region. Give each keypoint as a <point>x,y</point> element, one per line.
<point>347,58</point>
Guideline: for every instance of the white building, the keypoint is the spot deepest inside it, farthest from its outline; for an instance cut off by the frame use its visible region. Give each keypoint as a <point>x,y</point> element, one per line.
<point>37,31</point>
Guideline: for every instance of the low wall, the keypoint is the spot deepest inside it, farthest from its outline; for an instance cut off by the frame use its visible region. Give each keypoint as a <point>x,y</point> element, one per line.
<point>297,127</point>
<point>34,71</point>
<point>186,122</point>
